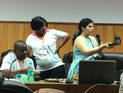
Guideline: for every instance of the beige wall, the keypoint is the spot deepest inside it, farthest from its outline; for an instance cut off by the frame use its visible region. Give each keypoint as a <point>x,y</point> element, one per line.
<point>12,31</point>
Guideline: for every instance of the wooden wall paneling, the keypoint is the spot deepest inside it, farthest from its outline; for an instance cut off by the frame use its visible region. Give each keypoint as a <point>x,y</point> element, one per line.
<point>106,34</point>
<point>20,31</point>
<point>71,29</point>
<point>12,34</point>
<point>3,37</point>
<point>51,26</point>
<point>27,30</point>
<point>15,32</point>
<point>119,31</point>
<point>98,29</point>
<point>12,31</point>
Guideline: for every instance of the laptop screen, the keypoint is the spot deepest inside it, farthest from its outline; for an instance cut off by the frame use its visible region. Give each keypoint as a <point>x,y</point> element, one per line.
<point>97,71</point>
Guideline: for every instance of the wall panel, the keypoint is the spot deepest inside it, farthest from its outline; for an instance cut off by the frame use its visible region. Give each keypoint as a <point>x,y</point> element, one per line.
<point>119,30</point>
<point>12,31</point>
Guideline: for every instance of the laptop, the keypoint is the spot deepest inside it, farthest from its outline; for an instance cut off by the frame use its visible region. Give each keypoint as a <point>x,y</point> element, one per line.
<point>97,71</point>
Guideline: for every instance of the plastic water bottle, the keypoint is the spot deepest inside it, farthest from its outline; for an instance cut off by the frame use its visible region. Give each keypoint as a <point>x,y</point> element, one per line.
<point>30,73</point>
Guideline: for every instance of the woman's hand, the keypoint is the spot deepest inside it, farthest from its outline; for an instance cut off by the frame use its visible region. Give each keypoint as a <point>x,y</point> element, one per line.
<point>57,51</point>
<point>36,72</point>
<point>106,45</point>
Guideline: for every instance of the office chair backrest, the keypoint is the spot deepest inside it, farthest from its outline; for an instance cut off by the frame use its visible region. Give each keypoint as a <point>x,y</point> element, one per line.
<point>3,54</point>
<point>49,90</point>
<point>67,59</point>
<point>1,77</point>
<point>9,86</point>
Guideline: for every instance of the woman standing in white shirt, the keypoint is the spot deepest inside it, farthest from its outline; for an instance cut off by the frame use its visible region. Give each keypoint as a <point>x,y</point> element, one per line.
<point>43,43</point>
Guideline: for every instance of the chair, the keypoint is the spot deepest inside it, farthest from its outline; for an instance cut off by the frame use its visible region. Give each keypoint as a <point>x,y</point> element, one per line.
<point>118,57</point>
<point>3,54</point>
<point>49,90</point>
<point>98,88</point>
<point>9,86</point>
<point>67,59</point>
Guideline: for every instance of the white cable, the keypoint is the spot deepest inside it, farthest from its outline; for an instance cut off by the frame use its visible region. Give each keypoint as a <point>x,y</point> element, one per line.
<point>88,89</point>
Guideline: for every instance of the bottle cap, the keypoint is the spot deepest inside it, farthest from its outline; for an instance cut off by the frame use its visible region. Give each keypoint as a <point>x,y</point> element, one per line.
<point>18,75</point>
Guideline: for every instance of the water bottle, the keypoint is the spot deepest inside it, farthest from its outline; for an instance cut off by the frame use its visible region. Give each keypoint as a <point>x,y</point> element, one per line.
<point>30,73</point>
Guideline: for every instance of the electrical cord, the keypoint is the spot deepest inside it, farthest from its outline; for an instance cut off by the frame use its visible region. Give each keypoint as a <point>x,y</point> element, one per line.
<point>93,86</point>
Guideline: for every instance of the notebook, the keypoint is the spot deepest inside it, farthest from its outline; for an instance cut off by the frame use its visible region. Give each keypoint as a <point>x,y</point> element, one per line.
<point>97,71</point>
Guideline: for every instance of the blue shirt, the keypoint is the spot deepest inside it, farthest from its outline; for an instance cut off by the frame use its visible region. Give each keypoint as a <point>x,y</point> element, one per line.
<point>78,55</point>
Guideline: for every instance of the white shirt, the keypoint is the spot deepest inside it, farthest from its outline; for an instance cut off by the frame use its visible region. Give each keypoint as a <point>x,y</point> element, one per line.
<point>43,50</point>
<point>11,59</point>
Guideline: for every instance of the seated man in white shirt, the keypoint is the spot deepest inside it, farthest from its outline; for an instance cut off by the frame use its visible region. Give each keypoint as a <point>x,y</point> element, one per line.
<point>17,61</point>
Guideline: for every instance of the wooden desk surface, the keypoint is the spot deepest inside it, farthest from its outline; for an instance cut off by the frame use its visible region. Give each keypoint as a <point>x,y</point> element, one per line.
<point>74,87</point>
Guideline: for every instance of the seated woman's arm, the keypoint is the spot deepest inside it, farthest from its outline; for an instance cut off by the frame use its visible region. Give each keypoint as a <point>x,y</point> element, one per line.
<point>82,46</point>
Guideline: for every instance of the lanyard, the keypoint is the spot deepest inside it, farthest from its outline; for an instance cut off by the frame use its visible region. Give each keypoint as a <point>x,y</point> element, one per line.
<point>91,43</point>
<point>21,64</point>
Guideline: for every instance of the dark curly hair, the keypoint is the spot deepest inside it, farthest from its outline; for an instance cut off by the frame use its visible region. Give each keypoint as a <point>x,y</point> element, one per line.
<point>38,22</point>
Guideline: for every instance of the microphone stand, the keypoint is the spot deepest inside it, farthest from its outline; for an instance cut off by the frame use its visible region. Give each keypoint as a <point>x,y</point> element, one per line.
<point>99,43</point>
<point>10,69</point>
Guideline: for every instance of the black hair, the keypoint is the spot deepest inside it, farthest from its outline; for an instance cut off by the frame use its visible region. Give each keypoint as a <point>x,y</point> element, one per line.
<point>18,43</point>
<point>38,22</point>
<point>83,23</point>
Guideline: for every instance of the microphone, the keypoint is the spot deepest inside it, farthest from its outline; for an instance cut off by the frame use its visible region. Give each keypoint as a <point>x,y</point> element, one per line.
<point>98,39</point>
<point>99,43</point>
<point>117,41</point>
<point>9,73</point>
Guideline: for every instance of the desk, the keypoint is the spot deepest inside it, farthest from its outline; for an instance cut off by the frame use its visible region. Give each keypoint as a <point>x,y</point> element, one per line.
<point>74,88</point>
